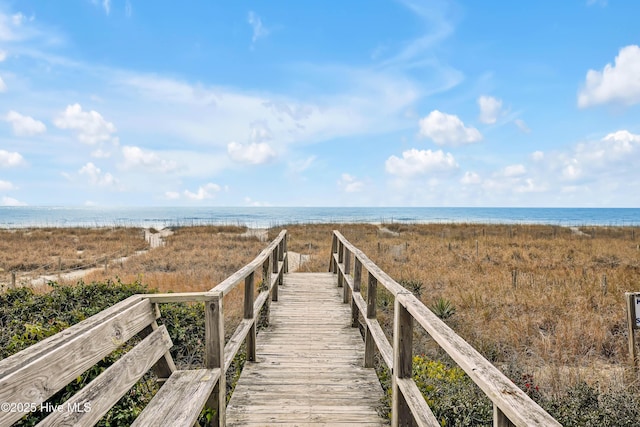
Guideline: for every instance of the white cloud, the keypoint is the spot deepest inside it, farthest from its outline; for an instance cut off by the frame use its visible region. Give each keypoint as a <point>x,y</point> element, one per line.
<point>3,86</point>
<point>172,195</point>
<point>259,30</point>
<point>8,159</point>
<point>96,177</point>
<point>254,203</point>
<point>514,170</point>
<point>17,19</point>
<point>522,125</point>
<point>10,201</point>
<point>90,127</point>
<point>537,156</point>
<point>417,162</point>
<point>618,83</point>
<point>529,186</point>
<point>206,191</point>
<point>571,170</point>
<point>489,109</point>
<point>255,153</point>
<point>106,4</point>
<point>6,186</point>
<point>3,55</point>
<point>447,129</point>
<point>135,157</point>
<point>24,125</point>
<point>470,178</point>
<point>100,154</point>
<point>349,184</point>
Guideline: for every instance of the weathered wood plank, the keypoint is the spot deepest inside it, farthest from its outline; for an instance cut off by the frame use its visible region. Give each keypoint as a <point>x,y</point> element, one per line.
<point>176,297</point>
<point>180,400</point>
<point>309,363</point>
<point>18,360</point>
<point>54,369</point>
<point>106,389</point>
<point>412,395</point>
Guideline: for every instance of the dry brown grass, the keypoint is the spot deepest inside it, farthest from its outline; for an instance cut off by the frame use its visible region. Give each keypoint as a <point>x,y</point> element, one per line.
<point>558,317</point>
<point>39,251</point>
<point>558,322</point>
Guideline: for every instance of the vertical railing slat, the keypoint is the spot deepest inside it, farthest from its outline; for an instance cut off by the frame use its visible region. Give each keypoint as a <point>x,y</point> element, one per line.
<point>214,355</point>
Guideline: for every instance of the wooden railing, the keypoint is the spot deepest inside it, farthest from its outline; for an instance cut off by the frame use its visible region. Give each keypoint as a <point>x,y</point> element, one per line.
<point>273,262</point>
<point>511,405</point>
<point>38,372</point>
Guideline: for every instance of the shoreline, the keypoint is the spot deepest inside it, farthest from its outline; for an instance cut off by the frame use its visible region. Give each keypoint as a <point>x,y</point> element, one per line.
<point>269,217</point>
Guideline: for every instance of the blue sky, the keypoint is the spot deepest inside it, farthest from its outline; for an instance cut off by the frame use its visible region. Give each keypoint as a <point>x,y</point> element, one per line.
<point>320,103</point>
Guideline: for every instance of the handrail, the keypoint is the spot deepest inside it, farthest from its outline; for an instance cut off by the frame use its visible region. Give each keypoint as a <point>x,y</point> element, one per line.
<point>511,405</point>
<point>274,263</point>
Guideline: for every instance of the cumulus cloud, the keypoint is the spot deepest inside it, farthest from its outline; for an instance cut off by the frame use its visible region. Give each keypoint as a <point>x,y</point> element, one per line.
<point>96,177</point>
<point>255,203</point>
<point>24,125</point>
<point>10,201</point>
<point>206,191</point>
<point>90,127</point>
<point>489,109</point>
<point>529,186</point>
<point>255,153</point>
<point>514,170</point>
<point>8,159</point>
<point>100,154</point>
<point>418,162</point>
<point>470,178</point>
<point>349,183</point>
<point>6,186</point>
<point>259,30</point>
<point>135,157</point>
<point>618,83</point>
<point>448,129</point>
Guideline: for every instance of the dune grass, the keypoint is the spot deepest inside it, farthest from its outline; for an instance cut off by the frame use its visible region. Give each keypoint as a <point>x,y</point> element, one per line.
<point>558,323</point>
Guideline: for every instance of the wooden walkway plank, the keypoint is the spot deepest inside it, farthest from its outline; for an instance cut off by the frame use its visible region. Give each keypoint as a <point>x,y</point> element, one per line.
<point>309,363</point>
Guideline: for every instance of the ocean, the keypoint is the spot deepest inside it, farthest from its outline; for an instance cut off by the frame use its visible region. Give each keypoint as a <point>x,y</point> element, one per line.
<point>263,217</point>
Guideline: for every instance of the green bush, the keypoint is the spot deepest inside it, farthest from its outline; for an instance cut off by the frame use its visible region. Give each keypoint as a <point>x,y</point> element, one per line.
<point>26,318</point>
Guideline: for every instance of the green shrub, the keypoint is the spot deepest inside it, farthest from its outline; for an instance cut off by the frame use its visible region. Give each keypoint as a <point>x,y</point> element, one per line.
<point>443,308</point>
<point>26,318</point>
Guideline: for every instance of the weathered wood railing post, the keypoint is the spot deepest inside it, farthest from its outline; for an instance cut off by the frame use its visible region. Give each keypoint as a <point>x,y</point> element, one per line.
<point>214,355</point>
<point>274,269</point>
<point>266,283</point>
<point>402,362</point>
<point>369,343</point>
<point>249,289</point>
<point>334,249</point>
<point>285,267</point>
<point>357,279</point>
<point>500,419</point>
<point>347,271</point>
<point>340,259</point>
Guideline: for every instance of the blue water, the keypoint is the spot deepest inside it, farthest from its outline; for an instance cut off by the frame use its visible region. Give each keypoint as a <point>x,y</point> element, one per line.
<point>18,217</point>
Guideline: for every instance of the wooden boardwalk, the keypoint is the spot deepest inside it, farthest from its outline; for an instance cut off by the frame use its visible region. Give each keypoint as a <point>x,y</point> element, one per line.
<point>309,367</point>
